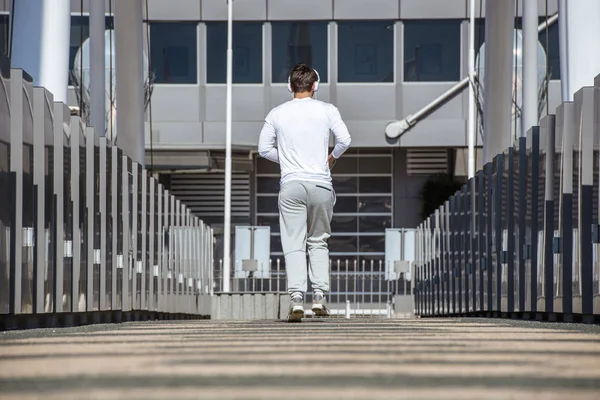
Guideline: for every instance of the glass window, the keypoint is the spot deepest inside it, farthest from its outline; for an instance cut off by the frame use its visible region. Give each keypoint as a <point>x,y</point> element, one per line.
<point>267,184</point>
<point>272,221</point>
<point>370,184</point>
<point>372,224</point>
<point>276,244</point>
<point>299,42</point>
<point>4,22</point>
<point>432,50</point>
<point>267,204</point>
<point>375,165</point>
<point>247,52</point>
<point>345,204</point>
<point>344,184</point>
<point>264,166</point>
<point>375,204</point>
<point>372,244</point>
<point>173,50</point>
<point>346,224</point>
<point>551,49</point>
<point>343,244</point>
<point>80,31</point>
<point>365,51</point>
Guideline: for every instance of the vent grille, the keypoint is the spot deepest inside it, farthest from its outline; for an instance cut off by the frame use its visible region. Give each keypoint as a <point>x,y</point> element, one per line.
<point>427,161</point>
<point>204,195</point>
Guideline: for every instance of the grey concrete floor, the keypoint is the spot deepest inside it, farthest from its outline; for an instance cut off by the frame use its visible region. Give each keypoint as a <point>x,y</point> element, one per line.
<point>321,359</point>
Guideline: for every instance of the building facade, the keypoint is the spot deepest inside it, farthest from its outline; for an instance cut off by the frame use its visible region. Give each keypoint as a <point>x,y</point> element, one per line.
<point>379,60</point>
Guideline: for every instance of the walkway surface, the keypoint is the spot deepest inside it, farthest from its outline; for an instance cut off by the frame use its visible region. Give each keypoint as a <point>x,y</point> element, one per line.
<point>330,359</point>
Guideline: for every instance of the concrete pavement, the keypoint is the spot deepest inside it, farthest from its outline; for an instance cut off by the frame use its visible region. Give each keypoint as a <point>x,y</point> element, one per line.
<point>321,359</point>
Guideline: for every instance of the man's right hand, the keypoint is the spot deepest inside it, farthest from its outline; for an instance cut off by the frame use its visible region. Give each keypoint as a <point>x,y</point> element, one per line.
<point>331,161</point>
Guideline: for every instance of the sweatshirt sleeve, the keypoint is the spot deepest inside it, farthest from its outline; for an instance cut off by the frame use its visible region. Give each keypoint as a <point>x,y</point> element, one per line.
<point>340,132</point>
<point>266,141</point>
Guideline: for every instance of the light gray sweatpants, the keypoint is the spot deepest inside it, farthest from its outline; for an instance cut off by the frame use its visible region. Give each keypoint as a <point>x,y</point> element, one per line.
<point>305,212</point>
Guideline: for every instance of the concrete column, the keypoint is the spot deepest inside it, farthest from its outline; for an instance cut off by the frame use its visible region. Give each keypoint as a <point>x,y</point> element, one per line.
<point>529,117</point>
<point>579,30</point>
<point>497,104</point>
<point>97,67</point>
<point>40,44</point>
<point>129,79</point>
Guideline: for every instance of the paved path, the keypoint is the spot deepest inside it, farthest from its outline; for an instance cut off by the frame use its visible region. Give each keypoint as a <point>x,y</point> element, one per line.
<point>334,359</point>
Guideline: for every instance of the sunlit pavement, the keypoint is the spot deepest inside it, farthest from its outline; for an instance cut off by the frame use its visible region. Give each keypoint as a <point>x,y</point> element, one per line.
<point>335,358</point>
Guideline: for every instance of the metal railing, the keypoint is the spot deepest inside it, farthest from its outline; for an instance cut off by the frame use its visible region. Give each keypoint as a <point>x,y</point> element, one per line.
<point>83,228</point>
<point>522,238</point>
<point>356,288</point>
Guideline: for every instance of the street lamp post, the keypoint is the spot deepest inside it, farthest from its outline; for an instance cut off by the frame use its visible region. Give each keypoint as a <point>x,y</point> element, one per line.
<point>227,222</point>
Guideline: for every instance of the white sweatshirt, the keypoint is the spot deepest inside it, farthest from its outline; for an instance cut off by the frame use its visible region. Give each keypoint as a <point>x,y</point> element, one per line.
<point>301,128</point>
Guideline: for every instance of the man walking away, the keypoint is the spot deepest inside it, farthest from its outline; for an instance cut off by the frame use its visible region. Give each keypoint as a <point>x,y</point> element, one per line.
<point>301,128</point>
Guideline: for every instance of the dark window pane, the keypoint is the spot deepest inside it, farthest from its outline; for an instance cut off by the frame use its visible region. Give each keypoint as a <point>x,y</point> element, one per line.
<point>267,204</point>
<point>264,166</point>
<point>273,222</point>
<point>276,244</point>
<point>552,50</point>
<point>247,52</point>
<point>372,244</point>
<point>344,184</point>
<point>375,165</point>
<point>346,204</point>
<point>432,50</point>
<point>372,224</point>
<point>343,224</point>
<point>346,165</point>
<point>366,51</point>
<point>80,31</point>
<point>299,42</point>
<point>173,49</point>
<point>4,22</point>
<point>371,184</point>
<point>343,244</point>
<point>267,185</point>
<point>379,204</point>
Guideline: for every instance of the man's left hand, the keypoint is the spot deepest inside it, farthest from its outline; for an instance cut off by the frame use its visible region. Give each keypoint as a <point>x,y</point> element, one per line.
<point>331,161</point>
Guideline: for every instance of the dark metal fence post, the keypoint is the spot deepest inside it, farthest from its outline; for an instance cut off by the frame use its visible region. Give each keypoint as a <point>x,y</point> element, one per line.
<point>548,127</point>
<point>584,100</point>
<point>565,124</point>
<point>510,248</point>
<point>466,245</point>
<point>499,159</point>
<point>522,222</point>
<point>482,234</point>
<point>489,218</point>
<point>475,233</point>
<point>535,173</point>
<point>453,246</point>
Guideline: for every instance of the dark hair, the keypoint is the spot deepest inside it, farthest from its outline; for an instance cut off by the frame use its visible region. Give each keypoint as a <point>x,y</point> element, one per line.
<point>302,78</point>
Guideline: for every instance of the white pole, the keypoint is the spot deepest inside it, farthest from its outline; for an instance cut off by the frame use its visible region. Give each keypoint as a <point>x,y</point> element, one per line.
<point>227,227</point>
<point>97,68</point>
<point>129,71</point>
<point>579,26</point>
<point>530,70</point>
<point>497,102</point>
<point>472,126</point>
<point>40,44</point>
